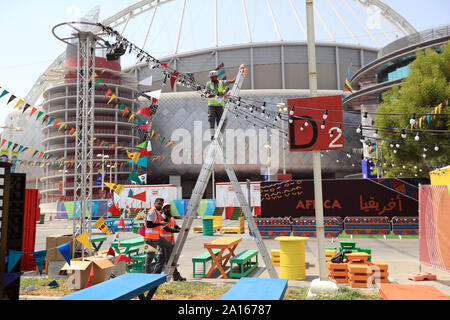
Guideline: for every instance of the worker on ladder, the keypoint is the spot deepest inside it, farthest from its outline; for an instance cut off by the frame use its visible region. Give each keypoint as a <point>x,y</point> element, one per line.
<point>217,90</point>
<point>152,238</point>
<point>167,232</point>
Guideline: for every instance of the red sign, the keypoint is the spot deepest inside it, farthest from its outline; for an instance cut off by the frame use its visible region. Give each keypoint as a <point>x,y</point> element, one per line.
<point>309,130</point>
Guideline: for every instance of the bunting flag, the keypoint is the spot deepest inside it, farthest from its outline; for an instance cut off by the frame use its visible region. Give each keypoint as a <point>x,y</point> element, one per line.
<point>112,98</point>
<point>122,257</point>
<point>51,120</point>
<point>111,252</point>
<point>107,93</point>
<point>4,93</point>
<point>117,188</point>
<point>121,106</point>
<point>39,258</point>
<point>348,85</point>
<point>143,178</point>
<point>155,95</point>
<point>91,278</point>
<point>124,111</point>
<point>153,132</point>
<point>145,127</point>
<point>101,225</point>
<point>9,145</point>
<point>122,223</point>
<point>142,145</point>
<point>13,257</point>
<point>15,146</point>
<point>349,75</point>
<point>113,210</point>
<point>145,153</point>
<point>165,65</point>
<point>157,136</point>
<point>11,98</point>
<point>3,142</point>
<point>18,103</point>
<point>53,284</point>
<point>25,108</point>
<point>134,177</point>
<point>141,162</point>
<point>64,249</point>
<point>173,78</point>
<point>147,81</point>
<point>55,124</point>
<point>84,240</point>
<point>130,193</point>
<point>140,196</point>
<point>33,111</point>
<point>39,115</point>
<point>10,278</point>
<point>131,117</point>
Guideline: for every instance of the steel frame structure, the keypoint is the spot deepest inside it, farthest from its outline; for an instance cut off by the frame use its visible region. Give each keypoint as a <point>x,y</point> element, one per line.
<point>84,132</point>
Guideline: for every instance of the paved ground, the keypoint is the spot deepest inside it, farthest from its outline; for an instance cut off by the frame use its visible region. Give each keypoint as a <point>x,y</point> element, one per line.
<point>401,255</point>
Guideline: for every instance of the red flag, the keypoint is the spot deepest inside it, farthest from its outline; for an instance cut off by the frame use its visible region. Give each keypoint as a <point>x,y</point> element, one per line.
<point>107,93</point>
<point>122,223</point>
<point>113,210</point>
<point>33,111</point>
<point>122,257</point>
<point>140,196</point>
<point>111,252</point>
<point>124,111</point>
<point>173,78</point>
<point>145,153</point>
<point>3,142</point>
<point>146,126</point>
<point>165,65</point>
<point>91,277</point>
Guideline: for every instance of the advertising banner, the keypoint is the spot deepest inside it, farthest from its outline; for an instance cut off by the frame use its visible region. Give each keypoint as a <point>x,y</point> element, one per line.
<point>226,197</point>
<point>342,198</point>
<point>135,197</point>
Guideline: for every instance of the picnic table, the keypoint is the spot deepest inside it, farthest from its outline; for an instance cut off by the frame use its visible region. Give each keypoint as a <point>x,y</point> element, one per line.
<point>124,287</point>
<point>220,260</point>
<point>129,245</point>
<point>97,242</point>
<point>257,289</point>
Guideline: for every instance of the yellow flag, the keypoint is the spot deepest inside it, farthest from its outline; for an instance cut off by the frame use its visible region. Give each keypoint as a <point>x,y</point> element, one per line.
<point>117,188</point>
<point>84,240</point>
<point>101,225</point>
<point>112,98</point>
<point>348,84</point>
<point>131,117</point>
<point>18,103</point>
<point>61,126</point>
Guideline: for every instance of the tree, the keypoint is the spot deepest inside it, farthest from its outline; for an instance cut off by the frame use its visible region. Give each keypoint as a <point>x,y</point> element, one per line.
<point>426,86</point>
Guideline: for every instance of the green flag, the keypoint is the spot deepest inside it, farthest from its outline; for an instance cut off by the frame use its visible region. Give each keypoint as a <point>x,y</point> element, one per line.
<point>143,145</point>
<point>134,177</point>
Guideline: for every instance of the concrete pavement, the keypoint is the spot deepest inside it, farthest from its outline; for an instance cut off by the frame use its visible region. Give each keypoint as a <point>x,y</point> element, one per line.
<point>401,255</point>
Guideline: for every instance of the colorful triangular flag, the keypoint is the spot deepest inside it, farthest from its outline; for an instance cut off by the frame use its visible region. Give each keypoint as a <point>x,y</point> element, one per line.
<point>13,257</point>
<point>140,196</point>
<point>101,225</point>
<point>65,251</point>
<point>39,258</point>
<point>84,240</point>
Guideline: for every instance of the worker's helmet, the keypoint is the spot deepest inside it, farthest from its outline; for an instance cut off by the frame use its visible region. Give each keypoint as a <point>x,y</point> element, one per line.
<point>166,204</point>
<point>213,73</point>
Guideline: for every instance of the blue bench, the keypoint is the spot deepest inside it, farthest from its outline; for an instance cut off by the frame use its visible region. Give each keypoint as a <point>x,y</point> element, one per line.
<point>257,289</point>
<point>113,224</point>
<point>124,287</point>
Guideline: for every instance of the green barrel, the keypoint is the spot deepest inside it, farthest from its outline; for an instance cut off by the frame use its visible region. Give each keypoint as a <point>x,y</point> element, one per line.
<point>42,218</point>
<point>208,226</point>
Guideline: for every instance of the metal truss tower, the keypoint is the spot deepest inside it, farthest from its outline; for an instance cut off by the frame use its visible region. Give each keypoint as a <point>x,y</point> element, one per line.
<point>84,133</point>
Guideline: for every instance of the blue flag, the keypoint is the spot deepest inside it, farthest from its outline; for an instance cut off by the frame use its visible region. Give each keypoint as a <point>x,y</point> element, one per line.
<point>65,251</point>
<point>98,182</point>
<point>11,277</point>
<point>39,257</point>
<point>14,257</point>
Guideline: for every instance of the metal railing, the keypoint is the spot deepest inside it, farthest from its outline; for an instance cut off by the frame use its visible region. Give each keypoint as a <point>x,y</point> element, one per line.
<point>413,39</point>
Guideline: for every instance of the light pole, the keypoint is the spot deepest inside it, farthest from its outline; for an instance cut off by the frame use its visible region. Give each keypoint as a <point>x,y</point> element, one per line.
<point>283,109</point>
<point>268,163</point>
<point>103,156</point>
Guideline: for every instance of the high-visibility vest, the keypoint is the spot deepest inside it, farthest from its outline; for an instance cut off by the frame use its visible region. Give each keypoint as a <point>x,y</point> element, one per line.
<point>166,234</point>
<point>213,101</point>
<point>153,233</point>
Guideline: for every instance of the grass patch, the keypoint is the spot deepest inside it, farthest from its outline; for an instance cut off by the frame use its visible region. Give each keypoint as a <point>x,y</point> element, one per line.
<point>190,291</point>
<point>42,288</point>
<point>194,291</point>
<point>345,235</point>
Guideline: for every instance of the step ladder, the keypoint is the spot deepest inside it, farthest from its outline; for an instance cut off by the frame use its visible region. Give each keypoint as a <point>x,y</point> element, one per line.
<point>200,186</point>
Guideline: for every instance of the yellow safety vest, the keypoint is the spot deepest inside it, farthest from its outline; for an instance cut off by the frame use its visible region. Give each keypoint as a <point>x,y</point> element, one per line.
<point>220,89</point>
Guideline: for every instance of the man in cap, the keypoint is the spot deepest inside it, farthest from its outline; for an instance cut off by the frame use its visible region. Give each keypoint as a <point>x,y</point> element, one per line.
<point>216,99</point>
<point>167,232</point>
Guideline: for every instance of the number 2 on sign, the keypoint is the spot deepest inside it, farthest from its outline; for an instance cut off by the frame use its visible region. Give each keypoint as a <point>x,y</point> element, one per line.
<point>332,145</point>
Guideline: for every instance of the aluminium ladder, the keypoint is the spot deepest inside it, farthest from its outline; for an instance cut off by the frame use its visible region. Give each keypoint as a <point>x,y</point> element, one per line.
<point>200,186</point>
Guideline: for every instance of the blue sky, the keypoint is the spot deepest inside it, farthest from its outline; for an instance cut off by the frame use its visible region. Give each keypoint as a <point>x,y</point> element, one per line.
<point>29,46</point>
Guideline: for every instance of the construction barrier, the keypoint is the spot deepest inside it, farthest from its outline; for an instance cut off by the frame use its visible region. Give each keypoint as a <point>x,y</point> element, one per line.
<point>405,225</point>
<point>367,225</point>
